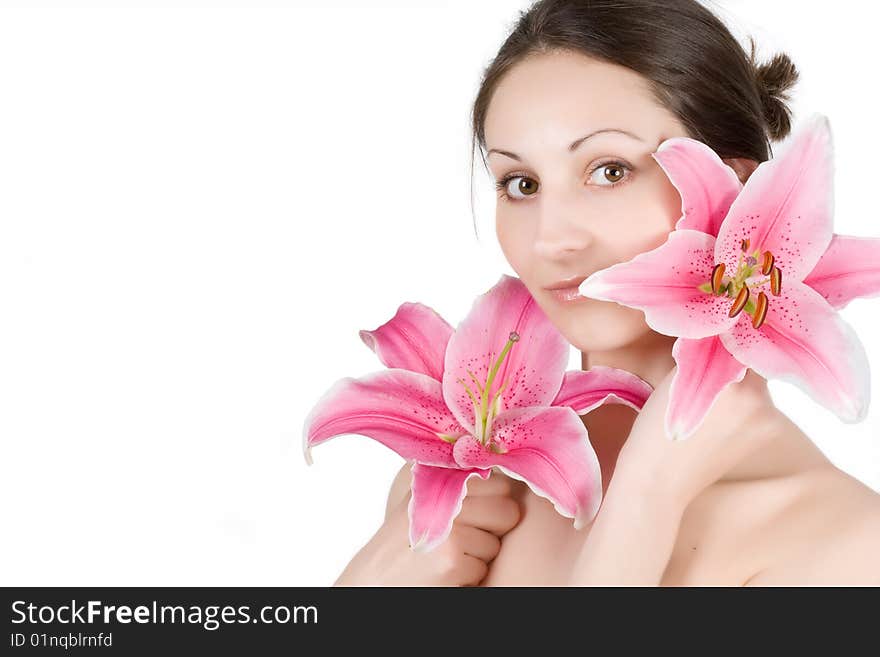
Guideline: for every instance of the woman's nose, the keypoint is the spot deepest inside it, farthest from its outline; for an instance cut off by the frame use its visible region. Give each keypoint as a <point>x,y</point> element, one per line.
<point>561,230</point>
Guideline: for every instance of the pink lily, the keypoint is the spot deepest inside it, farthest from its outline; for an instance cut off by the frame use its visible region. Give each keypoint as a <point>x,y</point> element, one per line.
<point>752,277</point>
<point>492,393</point>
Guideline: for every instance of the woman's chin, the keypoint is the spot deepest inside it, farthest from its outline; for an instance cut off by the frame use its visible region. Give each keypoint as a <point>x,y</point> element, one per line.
<point>594,326</point>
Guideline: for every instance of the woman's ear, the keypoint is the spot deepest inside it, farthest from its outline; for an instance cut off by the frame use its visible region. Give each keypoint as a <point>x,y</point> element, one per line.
<point>743,167</point>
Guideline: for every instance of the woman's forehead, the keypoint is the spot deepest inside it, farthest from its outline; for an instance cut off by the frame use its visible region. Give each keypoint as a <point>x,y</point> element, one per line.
<point>558,96</point>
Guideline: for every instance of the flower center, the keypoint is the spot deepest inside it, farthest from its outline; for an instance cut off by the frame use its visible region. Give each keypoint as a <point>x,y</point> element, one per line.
<point>739,286</point>
<point>485,411</point>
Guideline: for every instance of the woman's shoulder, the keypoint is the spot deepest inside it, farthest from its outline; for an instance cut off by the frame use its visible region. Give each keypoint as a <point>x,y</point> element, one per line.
<point>829,534</point>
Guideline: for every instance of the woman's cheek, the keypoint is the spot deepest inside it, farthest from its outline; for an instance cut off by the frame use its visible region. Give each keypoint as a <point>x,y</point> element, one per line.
<point>515,244</point>
<point>641,215</point>
<point>663,203</point>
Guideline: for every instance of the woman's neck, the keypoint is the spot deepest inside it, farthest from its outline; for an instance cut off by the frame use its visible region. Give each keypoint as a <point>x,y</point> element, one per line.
<point>649,357</point>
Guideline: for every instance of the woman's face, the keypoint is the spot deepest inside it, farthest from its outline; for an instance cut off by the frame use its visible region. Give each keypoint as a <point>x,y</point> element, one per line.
<point>571,206</point>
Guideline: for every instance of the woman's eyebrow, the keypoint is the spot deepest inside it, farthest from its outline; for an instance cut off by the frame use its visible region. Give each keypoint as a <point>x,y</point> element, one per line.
<point>574,145</point>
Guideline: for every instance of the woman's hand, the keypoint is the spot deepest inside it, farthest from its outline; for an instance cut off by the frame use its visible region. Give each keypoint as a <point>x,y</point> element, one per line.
<point>487,513</point>
<point>651,464</point>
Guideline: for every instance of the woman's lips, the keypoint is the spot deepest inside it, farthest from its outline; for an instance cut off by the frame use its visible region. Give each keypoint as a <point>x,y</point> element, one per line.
<point>567,295</point>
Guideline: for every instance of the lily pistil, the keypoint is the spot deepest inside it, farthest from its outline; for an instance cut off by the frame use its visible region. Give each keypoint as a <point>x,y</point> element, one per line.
<point>486,411</point>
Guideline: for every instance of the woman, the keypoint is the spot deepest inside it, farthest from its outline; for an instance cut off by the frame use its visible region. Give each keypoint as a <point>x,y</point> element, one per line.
<point>568,114</point>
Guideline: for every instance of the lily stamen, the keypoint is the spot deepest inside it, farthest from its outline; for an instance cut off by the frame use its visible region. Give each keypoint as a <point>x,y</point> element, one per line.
<point>776,281</point>
<point>740,302</point>
<point>476,382</point>
<point>468,391</point>
<point>760,310</point>
<point>717,275</point>
<point>767,264</point>
<point>739,287</point>
<point>494,409</point>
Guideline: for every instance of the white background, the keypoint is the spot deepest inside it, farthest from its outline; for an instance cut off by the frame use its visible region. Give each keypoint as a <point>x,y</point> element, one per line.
<point>199,209</point>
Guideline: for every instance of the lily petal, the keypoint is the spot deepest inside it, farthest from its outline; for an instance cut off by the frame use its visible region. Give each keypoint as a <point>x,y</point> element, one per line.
<point>704,369</point>
<point>849,269</point>
<point>786,206</point>
<point>401,409</point>
<point>584,390</point>
<point>548,449</point>
<point>663,284</point>
<point>531,371</point>
<point>414,339</point>
<point>437,497</point>
<point>706,184</point>
<point>804,341</point>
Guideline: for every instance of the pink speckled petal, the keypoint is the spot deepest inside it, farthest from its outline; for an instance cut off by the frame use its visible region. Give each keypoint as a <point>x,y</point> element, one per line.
<point>804,341</point>
<point>849,269</point>
<point>549,449</point>
<point>401,409</point>
<point>414,339</point>
<point>584,390</point>
<point>706,184</point>
<point>532,369</point>
<point>786,206</point>
<point>437,497</point>
<point>704,369</point>
<point>663,284</point>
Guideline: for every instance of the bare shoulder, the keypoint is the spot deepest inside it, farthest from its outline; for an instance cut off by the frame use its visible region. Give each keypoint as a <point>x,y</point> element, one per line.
<point>399,487</point>
<point>829,536</point>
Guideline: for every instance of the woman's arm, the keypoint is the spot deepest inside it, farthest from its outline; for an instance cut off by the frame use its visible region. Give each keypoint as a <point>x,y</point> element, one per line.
<point>631,539</point>
<point>655,479</point>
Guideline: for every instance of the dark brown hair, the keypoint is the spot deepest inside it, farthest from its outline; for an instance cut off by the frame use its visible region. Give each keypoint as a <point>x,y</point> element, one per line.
<point>694,66</point>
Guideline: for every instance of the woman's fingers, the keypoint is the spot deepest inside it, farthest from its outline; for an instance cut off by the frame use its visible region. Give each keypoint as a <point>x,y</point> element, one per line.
<point>475,542</point>
<point>493,513</point>
<point>470,571</point>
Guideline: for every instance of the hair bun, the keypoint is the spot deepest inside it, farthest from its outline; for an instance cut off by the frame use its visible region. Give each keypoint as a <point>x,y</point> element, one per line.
<point>773,80</point>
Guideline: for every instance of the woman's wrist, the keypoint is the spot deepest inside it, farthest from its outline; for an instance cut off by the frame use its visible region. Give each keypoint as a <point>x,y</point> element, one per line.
<point>631,539</point>
<point>653,489</point>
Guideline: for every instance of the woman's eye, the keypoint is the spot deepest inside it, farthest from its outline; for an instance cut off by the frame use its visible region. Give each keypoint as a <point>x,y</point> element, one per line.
<point>513,186</point>
<point>516,187</point>
<point>607,174</point>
